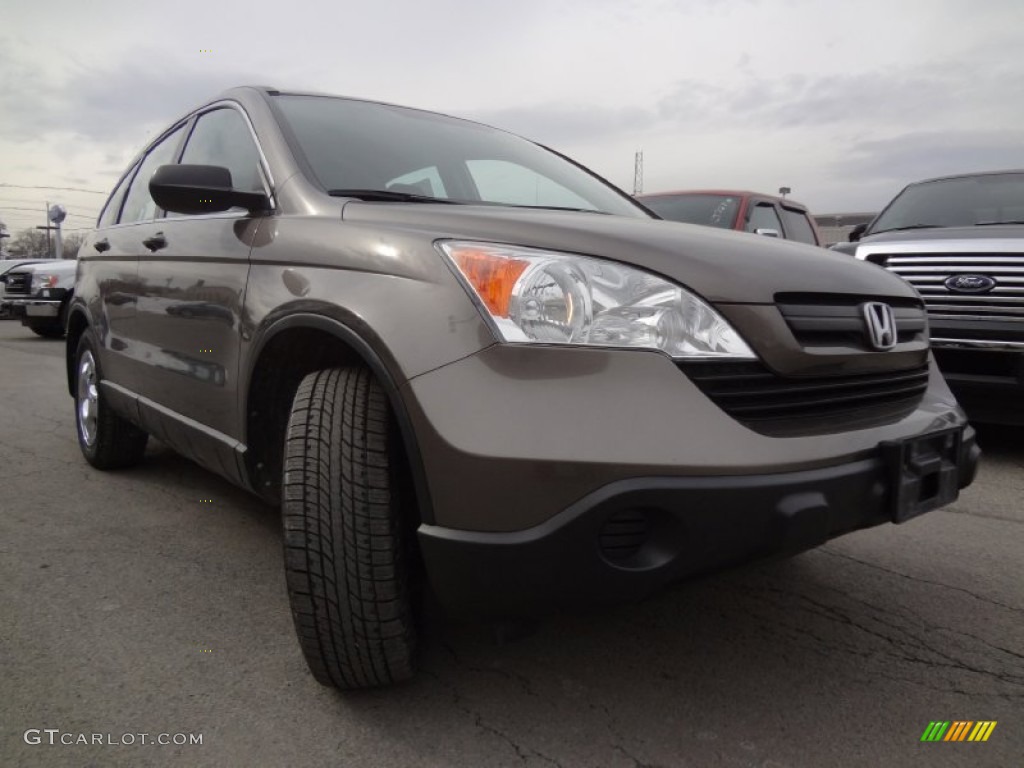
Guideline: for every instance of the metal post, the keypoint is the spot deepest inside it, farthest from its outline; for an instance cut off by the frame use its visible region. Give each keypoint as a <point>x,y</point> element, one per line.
<point>47,217</point>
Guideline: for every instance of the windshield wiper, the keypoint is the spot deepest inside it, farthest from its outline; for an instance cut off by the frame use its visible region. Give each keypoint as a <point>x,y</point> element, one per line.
<point>387,196</point>
<point>556,208</point>
<point>991,223</point>
<point>908,226</point>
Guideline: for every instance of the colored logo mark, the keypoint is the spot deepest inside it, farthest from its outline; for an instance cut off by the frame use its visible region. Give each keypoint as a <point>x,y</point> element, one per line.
<point>958,730</point>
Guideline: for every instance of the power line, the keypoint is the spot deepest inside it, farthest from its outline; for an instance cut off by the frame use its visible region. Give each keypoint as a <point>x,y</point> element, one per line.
<point>5,200</point>
<point>43,212</point>
<point>63,189</point>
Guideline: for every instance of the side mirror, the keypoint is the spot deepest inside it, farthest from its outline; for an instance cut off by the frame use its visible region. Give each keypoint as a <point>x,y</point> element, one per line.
<point>767,232</point>
<point>857,232</point>
<point>192,189</point>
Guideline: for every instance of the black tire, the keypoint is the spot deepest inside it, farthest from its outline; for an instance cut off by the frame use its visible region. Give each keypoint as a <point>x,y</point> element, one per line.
<point>48,329</point>
<point>117,443</point>
<point>348,545</point>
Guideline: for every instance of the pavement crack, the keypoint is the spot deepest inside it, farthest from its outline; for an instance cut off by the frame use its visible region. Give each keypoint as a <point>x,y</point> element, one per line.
<point>975,595</point>
<point>637,763</point>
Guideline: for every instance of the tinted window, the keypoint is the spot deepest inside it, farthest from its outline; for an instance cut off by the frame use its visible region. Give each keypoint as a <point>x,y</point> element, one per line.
<point>362,145</point>
<point>797,226</point>
<point>711,210</point>
<point>961,202</point>
<point>763,216</point>
<point>499,181</point>
<point>139,205</point>
<point>222,137</point>
<point>109,214</point>
<point>425,181</point>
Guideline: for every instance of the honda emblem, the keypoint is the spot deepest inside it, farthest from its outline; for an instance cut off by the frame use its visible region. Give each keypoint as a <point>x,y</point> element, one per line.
<point>880,323</point>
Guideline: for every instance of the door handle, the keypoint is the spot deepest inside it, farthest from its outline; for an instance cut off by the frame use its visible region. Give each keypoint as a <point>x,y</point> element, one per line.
<point>102,245</point>
<point>156,242</point>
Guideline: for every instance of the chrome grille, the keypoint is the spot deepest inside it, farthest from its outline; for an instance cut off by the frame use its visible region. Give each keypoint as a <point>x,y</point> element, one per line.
<point>929,272</point>
<point>18,283</point>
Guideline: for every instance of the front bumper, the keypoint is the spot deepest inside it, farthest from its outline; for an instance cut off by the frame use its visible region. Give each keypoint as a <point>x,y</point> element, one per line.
<point>35,307</point>
<point>986,377</point>
<point>632,537</point>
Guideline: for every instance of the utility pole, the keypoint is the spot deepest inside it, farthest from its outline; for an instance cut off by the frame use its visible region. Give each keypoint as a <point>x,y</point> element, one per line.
<point>638,173</point>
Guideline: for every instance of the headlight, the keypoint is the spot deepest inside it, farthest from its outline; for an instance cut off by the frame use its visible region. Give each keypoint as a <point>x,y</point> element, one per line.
<point>42,280</point>
<point>534,296</point>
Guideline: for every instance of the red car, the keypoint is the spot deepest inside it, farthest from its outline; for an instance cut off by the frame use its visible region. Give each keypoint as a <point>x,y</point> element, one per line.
<point>743,211</point>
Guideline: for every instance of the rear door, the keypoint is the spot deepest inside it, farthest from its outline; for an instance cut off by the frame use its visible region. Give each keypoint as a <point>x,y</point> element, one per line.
<point>192,277</point>
<point>109,272</point>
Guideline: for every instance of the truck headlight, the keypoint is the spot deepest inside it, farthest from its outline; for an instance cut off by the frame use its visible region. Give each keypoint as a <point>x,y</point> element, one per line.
<point>41,280</point>
<point>544,297</point>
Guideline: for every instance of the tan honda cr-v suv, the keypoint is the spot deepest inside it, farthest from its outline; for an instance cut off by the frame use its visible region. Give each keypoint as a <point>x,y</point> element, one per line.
<point>460,361</point>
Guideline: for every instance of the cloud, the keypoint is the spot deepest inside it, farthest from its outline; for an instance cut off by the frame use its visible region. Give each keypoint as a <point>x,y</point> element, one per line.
<point>107,103</point>
<point>917,155</point>
<point>949,94</point>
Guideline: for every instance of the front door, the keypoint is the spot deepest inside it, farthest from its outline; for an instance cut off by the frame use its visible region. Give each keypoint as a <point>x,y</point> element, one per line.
<point>192,279</point>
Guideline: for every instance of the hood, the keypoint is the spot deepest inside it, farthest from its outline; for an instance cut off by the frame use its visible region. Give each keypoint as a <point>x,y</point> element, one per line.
<point>925,236</point>
<point>720,265</point>
<point>54,266</point>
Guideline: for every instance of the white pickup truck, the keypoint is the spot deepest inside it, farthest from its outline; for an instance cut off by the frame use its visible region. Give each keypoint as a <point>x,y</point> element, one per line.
<point>39,293</point>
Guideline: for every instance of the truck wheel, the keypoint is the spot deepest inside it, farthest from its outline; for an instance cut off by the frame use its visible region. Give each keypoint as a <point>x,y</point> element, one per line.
<point>48,329</point>
<point>107,440</point>
<point>348,548</point>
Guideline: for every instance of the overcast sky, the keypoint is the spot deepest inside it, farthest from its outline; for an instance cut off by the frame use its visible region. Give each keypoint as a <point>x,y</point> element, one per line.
<point>844,102</point>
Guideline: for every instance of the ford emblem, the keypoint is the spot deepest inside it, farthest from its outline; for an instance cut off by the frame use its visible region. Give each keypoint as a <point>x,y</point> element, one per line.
<point>970,283</point>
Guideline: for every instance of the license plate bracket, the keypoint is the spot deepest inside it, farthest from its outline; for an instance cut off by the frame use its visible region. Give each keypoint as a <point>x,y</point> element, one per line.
<point>924,472</point>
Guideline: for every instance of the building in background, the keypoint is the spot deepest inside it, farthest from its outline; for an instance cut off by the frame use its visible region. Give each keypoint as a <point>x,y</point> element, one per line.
<point>835,227</point>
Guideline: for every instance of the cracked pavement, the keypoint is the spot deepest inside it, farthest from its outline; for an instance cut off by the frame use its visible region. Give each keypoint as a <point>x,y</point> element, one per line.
<point>127,606</point>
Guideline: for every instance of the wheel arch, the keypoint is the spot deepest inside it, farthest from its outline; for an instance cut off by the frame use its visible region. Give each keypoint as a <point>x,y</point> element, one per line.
<point>77,324</point>
<point>281,354</point>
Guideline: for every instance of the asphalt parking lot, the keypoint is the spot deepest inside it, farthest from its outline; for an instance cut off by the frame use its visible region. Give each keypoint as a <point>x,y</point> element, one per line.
<point>153,601</point>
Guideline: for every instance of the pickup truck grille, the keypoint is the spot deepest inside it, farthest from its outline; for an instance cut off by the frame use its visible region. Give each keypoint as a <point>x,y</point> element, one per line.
<point>18,283</point>
<point>764,401</point>
<point>928,273</point>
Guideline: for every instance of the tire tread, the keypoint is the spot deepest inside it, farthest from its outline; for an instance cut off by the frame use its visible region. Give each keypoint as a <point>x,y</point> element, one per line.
<point>345,553</point>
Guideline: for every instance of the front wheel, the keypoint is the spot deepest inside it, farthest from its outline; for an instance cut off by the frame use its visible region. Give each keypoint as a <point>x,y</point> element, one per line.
<point>107,440</point>
<point>348,547</point>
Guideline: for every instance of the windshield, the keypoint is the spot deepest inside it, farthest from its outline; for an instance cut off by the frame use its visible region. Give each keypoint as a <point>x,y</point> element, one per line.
<point>711,210</point>
<point>958,202</point>
<point>363,146</point>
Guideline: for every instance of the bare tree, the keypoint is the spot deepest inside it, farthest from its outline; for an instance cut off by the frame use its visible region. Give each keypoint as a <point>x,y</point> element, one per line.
<point>71,245</point>
<point>27,244</point>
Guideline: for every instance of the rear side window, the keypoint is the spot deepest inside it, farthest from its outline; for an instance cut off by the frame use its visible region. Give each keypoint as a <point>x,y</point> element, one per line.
<point>110,210</point>
<point>139,205</point>
<point>222,137</point>
<point>797,226</point>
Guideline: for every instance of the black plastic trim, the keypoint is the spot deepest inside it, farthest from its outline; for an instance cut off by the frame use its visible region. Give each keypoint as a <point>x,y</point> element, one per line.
<point>695,525</point>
